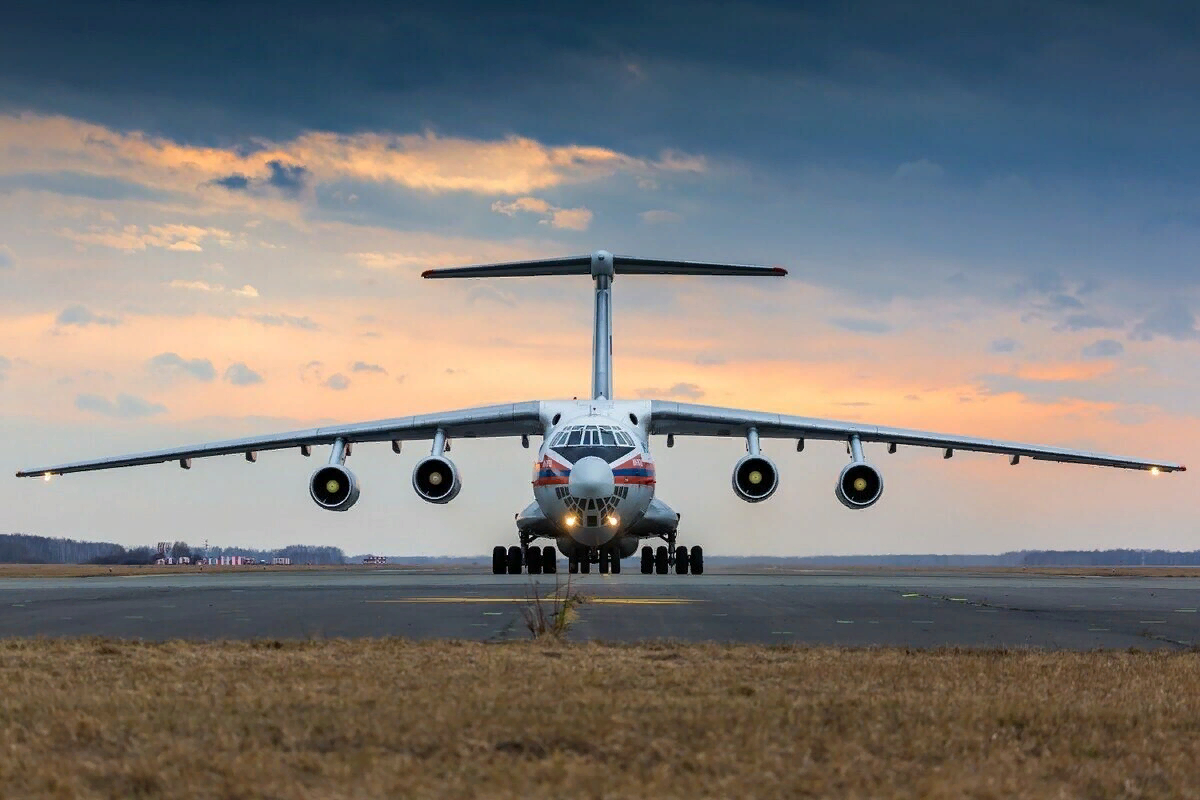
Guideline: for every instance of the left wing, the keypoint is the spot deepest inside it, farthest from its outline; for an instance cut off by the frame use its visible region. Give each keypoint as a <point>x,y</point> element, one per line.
<point>686,419</point>
<point>512,419</point>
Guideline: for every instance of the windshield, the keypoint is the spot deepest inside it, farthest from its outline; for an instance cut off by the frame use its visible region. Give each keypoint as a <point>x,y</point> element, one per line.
<point>603,441</point>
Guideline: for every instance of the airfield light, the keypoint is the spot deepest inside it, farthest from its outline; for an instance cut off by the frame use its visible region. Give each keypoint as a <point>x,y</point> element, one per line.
<point>755,477</point>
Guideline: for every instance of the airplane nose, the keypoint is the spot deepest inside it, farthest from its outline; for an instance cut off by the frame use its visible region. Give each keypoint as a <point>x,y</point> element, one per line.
<point>591,479</point>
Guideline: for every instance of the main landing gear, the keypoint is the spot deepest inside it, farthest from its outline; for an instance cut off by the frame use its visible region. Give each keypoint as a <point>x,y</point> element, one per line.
<point>660,560</point>
<point>535,560</point>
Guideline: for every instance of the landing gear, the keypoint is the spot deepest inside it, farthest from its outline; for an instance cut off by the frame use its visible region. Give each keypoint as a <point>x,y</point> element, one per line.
<point>499,560</point>
<point>533,560</point>
<point>549,560</point>
<point>647,560</point>
<point>572,564</point>
<point>604,562</point>
<point>681,561</point>
<point>585,563</point>
<point>514,560</point>
<point>615,566</point>
<point>660,560</point>
<point>697,560</point>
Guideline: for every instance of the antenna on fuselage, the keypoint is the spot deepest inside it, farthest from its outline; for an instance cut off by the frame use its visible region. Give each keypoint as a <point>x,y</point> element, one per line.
<point>602,266</point>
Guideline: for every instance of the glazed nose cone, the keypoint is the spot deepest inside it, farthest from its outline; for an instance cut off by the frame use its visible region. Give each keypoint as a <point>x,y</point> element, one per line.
<point>591,479</point>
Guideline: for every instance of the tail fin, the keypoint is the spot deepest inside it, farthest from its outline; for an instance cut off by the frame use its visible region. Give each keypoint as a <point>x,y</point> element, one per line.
<point>602,266</point>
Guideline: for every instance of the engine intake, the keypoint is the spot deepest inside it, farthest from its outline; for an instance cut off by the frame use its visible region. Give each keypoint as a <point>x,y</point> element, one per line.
<point>435,480</point>
<point>755,478</point>
<point>334,488</point>
<point>859,485</point>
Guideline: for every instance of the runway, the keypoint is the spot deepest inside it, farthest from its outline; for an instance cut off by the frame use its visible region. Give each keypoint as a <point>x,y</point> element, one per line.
<point>920,610</point>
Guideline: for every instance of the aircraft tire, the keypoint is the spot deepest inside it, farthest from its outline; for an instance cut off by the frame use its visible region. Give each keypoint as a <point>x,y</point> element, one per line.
<point>616,561</point>
<point>499,559</point>
<point>681,561</point>
<point>660,560</point>
<point>585,566</point>
<point>647,561</point>
<point>514,560</point>
<point>697,560</point>
<point>549,560</point>
<point>572,565</point>
<point>533,560</point>
<point>603,562</point>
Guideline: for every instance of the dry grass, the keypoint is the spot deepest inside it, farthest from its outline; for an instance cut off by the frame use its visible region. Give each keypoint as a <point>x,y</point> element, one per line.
<point>391,718</point>
<point>94,570</point>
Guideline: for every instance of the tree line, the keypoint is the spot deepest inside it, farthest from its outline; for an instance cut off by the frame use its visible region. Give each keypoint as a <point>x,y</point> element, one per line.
<point>22,548</point>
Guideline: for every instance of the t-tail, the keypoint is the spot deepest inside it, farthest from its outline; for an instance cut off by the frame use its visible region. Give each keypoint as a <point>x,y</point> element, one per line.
<point>602,266</point>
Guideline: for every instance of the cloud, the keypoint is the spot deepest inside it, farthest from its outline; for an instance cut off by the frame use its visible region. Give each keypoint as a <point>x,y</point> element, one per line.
<point>689,391</point>
<point>247,290</point>
<point>5,365</point>
<point>427,162</point>
<point>920,170</point>
<point>1064,301</point>
<point>240,375</point>
<point>81,316</point>
<point>172,365</point>
<point>288,178</point>
<point>859,325</point>
<point>1105,348</point>
<point>658,216</point>
<point>126,406</point>
<point>575,219</point>
<point>709,359</point>
<point>1005,345</point>
<point>132,238</point>
<point>337,382</point>
<point>8,259</point>
<point>286,320</point>
<point>1173,320</point>
<point>1086,322</point>
<point>362,366</point>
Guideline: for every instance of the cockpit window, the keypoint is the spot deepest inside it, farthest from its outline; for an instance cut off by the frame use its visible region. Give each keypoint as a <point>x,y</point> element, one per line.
<point>603,441</point>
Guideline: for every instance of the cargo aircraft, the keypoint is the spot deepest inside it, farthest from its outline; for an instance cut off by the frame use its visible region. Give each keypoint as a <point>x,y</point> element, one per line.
<point>594,479</point>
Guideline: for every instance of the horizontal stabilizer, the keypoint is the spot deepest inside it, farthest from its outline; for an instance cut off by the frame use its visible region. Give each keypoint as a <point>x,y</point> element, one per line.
<point>585,265</point>
<point>570,265</point>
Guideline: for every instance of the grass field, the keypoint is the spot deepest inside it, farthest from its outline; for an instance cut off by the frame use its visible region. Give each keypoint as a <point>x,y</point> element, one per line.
<point>391,718</point>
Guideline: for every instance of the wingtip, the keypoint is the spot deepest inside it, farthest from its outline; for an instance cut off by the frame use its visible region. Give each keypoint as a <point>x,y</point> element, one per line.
<point>780,271</point>
<point>427,273</point>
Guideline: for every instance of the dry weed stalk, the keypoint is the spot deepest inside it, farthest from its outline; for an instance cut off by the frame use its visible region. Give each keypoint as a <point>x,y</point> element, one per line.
<point>555,621</point>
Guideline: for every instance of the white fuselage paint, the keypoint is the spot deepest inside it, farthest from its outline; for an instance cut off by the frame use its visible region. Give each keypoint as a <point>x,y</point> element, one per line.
<point>613,495</point>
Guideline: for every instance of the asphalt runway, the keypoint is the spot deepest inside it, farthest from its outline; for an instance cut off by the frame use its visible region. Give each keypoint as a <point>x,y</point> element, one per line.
<point>904,608</point>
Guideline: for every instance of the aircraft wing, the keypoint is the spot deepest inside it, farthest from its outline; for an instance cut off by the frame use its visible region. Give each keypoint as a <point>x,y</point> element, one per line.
<point>513,419</point>
<point>686,419</point>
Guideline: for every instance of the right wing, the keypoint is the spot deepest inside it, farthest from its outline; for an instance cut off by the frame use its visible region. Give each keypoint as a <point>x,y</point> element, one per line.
<point>512,419</point>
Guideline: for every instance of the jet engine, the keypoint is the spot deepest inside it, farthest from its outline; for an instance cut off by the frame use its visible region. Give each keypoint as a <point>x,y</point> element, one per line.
<point>334,487</point>
<point>435,480</point>
<point>755,478</point>
<point>859,485</point>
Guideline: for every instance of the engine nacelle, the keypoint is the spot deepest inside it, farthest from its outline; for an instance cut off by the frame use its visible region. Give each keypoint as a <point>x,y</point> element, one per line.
<point>755,478</point>
<point>435,480</point>
<point>859,485</point>
<point>334,488</point>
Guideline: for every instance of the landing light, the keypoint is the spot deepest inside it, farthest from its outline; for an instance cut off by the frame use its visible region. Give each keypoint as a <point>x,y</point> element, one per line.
<point>612,520</point>
<point>570,521</point>
<point>48,476</point>
<point>1153,471</point>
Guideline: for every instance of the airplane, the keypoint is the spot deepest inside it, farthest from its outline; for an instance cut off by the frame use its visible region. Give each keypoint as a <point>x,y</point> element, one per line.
<point>594,478</point>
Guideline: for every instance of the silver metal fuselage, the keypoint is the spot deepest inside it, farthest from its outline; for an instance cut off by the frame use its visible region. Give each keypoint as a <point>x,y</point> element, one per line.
<point>594,492</point>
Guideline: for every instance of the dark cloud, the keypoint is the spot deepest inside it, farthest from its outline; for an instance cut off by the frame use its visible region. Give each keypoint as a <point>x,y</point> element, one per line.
<point>338,382</point>
<point>286,320</point>
<point>126,406</point>
<point>288,178</point>
<point>8,259</point>
<point>860,325</point>
<point>689,391</point>
<point>81,184</point>
<point>234,183</point>
<point>1174,320</point>
<point>240,375</point>
<point>81,316</point>
<point>172,365</point>
<point>1105,348</point>
<point>1005,345</point>
<point>362,366</point>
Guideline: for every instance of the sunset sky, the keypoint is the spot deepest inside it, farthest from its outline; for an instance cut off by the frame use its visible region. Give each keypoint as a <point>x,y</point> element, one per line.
<point>213,220</point>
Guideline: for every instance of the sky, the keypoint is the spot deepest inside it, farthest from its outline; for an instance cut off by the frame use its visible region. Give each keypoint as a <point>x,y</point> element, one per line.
<point>213,222</point>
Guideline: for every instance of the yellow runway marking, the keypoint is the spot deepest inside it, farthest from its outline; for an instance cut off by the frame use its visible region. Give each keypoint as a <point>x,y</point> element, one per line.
<point>626,601</point>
